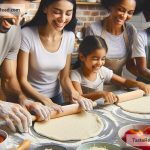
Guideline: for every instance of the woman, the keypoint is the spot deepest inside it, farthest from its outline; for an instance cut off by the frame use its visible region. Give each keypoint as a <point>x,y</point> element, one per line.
<point>45,55</point>
<point>141,46</point>
<point>117,33</point>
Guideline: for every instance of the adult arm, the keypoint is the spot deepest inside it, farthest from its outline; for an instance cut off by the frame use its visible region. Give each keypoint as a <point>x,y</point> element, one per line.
<point>130,83</point>
<point>11,87</point>
<point>141,64</point>
<point>28,89</point>
<point>138,53</point>
<point>69,88</point>
<point>9,81</point>
<point>130,63</point>
<point>13,114</point>
<point>132,67</point>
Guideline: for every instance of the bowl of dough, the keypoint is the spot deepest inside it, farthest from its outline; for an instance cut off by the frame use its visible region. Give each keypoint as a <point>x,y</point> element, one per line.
<point>98,146</point>
<point>135,136</point>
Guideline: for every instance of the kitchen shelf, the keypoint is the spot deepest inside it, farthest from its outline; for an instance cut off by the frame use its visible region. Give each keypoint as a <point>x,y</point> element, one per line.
<point>78,3</point>
<point>87,3</point>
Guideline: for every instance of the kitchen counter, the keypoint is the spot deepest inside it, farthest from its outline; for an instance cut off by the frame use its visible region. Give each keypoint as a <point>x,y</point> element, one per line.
<point>113,117</point>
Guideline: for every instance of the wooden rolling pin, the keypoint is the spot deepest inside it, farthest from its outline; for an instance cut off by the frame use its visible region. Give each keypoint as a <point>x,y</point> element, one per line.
<point>24,145</point>
<point>67,110</point>
<point>75,108</point>
<point>130,96</point>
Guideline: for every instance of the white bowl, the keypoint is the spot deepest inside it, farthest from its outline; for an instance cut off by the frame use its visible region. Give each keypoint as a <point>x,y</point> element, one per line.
<point>97,144</point>
<point>4,143</point>
<point>124,129</point>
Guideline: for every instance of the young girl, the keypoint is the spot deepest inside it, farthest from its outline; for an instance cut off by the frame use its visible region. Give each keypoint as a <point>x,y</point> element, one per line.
<point>90,75</point>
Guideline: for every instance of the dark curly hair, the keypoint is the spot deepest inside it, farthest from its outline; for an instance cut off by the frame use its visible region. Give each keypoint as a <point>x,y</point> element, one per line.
<point>109,3</point>
<point>142,6</point>
<point>40,17</point>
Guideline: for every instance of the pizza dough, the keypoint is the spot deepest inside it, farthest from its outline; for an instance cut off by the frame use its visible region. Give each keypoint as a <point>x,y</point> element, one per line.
<point>73,127</point>
<point>139,105</point>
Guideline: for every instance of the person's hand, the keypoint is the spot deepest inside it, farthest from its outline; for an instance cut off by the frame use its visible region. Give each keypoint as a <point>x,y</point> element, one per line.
<point>6,21</point>
<point>85,103</point>
<point>53,106</point>
<point>144,87</point>
<point>42,112</point>
<point>109,97</point>
<point>15,116</point>
<point>74,95</point>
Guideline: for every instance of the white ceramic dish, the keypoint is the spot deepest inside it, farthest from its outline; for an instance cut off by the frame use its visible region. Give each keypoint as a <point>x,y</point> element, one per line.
<point>4,143</point>
<point>97,144</point>
<point>124,129</point>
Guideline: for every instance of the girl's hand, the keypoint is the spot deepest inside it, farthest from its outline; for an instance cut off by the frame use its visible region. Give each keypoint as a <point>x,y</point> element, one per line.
<point>144,87</point>
<point>53,106</point>
<point>109,97</point>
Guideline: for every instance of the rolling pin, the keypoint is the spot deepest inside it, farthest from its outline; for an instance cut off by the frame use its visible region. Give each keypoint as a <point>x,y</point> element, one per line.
<point>71,109</point>
<point>130,95</point>
<point>75,108</point>
<point>68,110</point>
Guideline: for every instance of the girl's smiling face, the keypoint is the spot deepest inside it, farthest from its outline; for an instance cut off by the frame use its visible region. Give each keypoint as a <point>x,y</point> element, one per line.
<point>94,61</point>
<point>59,14</point>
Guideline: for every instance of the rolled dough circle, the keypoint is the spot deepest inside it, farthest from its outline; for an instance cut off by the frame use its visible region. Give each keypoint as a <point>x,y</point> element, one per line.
<point>139,105</point>
<point>73,127</point>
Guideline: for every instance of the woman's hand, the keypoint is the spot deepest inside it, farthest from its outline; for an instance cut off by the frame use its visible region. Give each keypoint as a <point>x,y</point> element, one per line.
<point>53,106</point>
<point>109,97</point>
<point>144,87</point>
<point>85,103</point>
<point>42,112</point>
